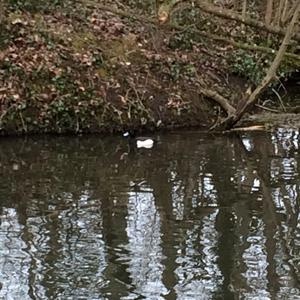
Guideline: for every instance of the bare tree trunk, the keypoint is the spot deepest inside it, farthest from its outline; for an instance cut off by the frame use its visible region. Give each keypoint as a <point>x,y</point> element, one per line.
<point>284,11</point>
<point>1,11</point>
<point>278,13</point>
<point>269,11</point>
<point>249,101</point>
<point>244,11</point>
<point>288,15</point>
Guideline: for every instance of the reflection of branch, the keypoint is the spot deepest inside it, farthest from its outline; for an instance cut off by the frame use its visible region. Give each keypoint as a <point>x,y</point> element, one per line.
<point>270,209</point>
<point>284,241</point>
<point>294,216</point>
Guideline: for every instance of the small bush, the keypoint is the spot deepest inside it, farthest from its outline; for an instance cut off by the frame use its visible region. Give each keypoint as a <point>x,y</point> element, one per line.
<point>248,66</point>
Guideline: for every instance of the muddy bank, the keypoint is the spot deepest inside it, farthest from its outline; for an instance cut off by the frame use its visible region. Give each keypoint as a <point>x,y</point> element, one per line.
<point>82,70</point>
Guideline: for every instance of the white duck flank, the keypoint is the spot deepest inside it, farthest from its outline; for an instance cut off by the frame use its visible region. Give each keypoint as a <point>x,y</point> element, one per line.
<point>148,143</point>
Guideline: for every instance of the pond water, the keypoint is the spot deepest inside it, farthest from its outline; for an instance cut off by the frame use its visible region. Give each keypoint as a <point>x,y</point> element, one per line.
<point>197,217</point>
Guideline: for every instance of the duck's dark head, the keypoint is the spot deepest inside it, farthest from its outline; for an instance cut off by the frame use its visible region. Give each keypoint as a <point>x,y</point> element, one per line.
<point>129,134</point>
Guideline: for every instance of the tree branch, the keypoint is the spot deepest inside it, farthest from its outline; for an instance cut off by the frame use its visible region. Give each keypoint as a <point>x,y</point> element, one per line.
<point>223,102</point>
<point>249,101</point>
<point>215,37</point>
<point>228,14</point>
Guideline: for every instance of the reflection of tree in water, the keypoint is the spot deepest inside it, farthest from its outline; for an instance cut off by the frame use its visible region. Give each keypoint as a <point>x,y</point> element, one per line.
<point>224,223</point>
<point>242,167</point>
<point>197,270</point>
<point>68,250</point>
<point>78,269</point>
<point>14,259</point>
<point>144,245</point>
<point>266,258</point>
<point>255,260</point>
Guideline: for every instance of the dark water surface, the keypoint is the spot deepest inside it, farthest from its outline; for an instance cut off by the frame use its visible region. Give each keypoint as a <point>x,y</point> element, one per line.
<point>196,217</point>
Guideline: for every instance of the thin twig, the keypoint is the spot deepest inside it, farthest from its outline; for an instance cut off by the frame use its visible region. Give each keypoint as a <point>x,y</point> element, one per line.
<point>279,98</point>
<point>22,121</point>
<point>267,108</point>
